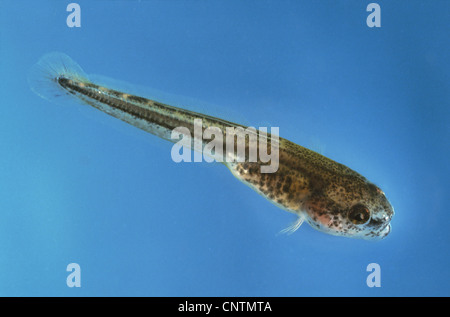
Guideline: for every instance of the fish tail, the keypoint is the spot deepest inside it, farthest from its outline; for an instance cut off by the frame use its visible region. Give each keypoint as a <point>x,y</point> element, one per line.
<point>43,76</point>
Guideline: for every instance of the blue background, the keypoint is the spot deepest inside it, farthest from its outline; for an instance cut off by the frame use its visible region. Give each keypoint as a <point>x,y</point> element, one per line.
<point>79,186</point>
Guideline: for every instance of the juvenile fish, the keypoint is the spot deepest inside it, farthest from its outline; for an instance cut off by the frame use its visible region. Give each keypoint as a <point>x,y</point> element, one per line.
<point>331,197</point>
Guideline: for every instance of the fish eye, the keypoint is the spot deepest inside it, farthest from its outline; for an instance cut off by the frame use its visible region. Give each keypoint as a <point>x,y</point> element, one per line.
<point>359,214</point>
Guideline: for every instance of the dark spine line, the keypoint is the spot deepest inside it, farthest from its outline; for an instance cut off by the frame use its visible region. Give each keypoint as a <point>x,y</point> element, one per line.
<point>113,100</point>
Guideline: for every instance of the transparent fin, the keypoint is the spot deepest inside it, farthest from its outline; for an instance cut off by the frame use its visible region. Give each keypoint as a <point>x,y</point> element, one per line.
<point>43,76</point>
<point>293,226</point>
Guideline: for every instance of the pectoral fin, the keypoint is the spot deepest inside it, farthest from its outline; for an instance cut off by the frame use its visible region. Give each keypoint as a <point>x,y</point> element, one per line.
<point>293,226</point>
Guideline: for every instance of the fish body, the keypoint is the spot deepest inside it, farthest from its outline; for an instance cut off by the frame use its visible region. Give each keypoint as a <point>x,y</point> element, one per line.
<point>328,195</point>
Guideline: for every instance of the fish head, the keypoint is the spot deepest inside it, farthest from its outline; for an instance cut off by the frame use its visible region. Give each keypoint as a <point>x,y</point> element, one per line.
<point>360,210</point>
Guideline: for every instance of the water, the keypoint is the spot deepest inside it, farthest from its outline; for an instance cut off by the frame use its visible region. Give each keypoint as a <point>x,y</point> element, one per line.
<point>79,187</point>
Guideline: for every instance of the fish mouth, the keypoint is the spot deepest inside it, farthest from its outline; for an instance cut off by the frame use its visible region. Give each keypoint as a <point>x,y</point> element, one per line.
<point>381,234</point>
<point>381,225</point>
<point>385,231</point>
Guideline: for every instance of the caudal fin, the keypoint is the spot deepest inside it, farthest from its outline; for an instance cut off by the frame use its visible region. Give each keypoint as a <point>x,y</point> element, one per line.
<point>43,76</point>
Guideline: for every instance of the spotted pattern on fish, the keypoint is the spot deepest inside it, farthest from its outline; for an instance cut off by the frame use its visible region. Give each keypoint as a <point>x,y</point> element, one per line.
<point>328,195</point>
